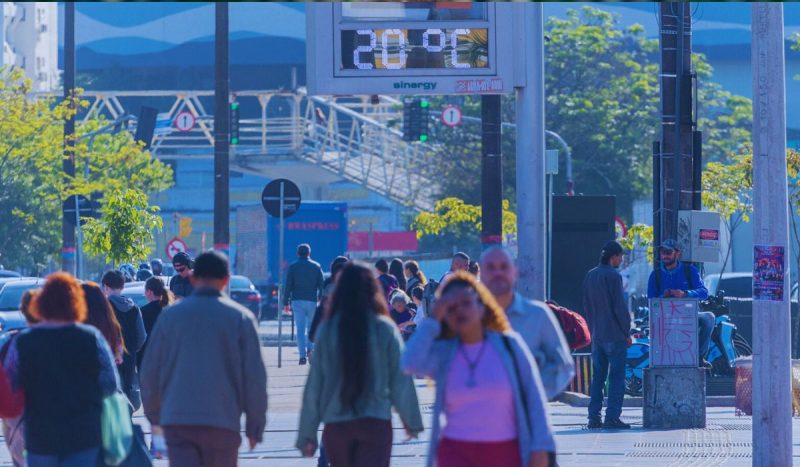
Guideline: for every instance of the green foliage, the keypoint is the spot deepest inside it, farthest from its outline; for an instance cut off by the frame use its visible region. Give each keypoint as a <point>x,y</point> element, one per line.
<point>454,222</point>
<point>125,230</point>
<point>639,239</point>
<point>602,95</point>
<point>32,182</point>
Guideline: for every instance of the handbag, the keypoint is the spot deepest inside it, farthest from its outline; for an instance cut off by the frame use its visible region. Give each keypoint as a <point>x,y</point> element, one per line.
<point>139,455</point>
<point>116,429</point>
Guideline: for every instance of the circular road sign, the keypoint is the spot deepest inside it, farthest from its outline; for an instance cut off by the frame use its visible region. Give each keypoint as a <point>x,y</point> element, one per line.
<point>271,198</point>
<point>185,121</point>
<point>620,228</point>
<point>451,116</point>
<point>175,246</point>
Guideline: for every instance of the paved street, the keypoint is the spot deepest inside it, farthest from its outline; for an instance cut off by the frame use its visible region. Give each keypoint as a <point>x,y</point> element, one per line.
<point>725,442</point>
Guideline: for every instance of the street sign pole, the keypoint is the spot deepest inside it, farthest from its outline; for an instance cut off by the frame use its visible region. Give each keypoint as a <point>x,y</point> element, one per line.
<point>280,281</point>
<point>772,383</point>
<point>529,84</point>
<point>79,242</point>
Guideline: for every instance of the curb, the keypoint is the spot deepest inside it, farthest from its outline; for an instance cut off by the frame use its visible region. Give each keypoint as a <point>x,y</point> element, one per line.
<point>576,399</point>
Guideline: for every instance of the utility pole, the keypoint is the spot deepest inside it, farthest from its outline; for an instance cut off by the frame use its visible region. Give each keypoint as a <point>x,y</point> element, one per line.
<point>674,163</point>
<point>68,262</point>
<point>772,384</point>
<point>221,131</point>
<point>491,171</point>
<point>529,85</point>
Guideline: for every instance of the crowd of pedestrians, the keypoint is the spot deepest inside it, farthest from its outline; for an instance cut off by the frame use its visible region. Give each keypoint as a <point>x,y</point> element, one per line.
<point>84,348</point>
<point>192,358</point>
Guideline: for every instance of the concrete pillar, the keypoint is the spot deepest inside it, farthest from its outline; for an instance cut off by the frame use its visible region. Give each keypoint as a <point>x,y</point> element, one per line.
<point>674,398</point>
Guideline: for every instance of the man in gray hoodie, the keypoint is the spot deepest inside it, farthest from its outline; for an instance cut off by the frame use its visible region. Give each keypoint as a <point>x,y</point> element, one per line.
<point>133,333</point>
<point>203,369</point>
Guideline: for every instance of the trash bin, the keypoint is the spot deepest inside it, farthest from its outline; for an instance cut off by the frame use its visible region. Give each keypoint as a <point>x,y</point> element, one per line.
<point>744,386</point>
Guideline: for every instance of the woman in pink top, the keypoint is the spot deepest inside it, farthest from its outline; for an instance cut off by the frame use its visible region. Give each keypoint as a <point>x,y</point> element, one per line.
<point>488,385</point>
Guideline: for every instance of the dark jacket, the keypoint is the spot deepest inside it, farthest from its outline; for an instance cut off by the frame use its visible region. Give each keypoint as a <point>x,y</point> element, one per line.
<point>203,366</point>
<point>678,279</point>
<point>180,286</point>
<point>413,282</point>
<point>150,313</point>
<point>65,372</point>
<point>133,335</point>
<point>604,305</point>
<point>303,281</point>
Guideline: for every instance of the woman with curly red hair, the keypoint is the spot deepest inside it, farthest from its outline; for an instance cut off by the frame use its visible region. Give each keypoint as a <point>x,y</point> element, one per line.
<point>65,369</point>
<point>481,367</point>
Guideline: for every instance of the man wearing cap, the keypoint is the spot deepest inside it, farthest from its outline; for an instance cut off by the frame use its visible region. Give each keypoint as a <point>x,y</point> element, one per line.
<point>680,280</point>
<point>610,324</point>
<point>180,284</point>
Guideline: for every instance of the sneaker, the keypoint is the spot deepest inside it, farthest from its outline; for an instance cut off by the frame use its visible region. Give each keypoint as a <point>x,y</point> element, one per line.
<point>595,423</point>
<point>705,364</point>
<point>616,424</point>
<point>303,360</point>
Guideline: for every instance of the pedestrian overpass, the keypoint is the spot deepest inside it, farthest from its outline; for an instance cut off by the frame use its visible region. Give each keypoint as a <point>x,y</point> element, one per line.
<point>356,138</point>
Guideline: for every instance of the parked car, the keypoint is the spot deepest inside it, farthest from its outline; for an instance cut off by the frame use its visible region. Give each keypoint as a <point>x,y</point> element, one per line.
<point>269,300</point>
<point>6,273</point>
<point>10,298</point>
<point>735,284</point>
<point>135,291</point>
<point>244,293</point>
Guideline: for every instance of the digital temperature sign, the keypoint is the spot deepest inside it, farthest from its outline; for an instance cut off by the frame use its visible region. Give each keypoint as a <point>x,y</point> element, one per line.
<point>401,49</point>
<point>409,48</point>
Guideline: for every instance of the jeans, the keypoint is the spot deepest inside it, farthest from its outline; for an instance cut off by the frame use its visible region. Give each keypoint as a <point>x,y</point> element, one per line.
<point>705,325</point>
<point>75,459</point>
<point>303,311</point>
<point>608,361</point>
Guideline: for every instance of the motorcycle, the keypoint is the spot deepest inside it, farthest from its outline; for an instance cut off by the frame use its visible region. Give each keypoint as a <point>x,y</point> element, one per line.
<point>725,347</point>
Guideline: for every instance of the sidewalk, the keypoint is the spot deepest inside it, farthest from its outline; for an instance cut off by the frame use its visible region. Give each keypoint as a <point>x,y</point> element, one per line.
<point>725,442</point>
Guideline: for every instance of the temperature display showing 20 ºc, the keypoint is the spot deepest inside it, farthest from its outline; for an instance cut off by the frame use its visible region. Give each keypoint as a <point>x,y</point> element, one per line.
<point>402,49</point>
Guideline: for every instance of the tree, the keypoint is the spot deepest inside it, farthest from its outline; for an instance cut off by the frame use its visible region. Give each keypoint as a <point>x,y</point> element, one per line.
<point>125,230</point>
<point>727,189</point>
<point>603,98</point>
<point>32,182</point>
<point>456,223</point>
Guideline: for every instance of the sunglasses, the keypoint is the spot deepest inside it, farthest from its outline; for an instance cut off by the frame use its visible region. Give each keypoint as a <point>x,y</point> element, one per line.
<point>180,268</point>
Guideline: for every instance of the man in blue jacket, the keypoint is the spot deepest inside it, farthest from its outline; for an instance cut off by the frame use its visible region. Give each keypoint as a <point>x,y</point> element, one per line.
<point>678,280</point>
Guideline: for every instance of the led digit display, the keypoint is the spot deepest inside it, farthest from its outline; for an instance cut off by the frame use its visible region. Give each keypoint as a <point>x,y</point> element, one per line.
<point>403,49</point>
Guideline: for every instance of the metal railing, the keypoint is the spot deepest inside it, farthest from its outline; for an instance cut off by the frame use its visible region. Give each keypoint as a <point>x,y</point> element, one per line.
<point>352,137</point>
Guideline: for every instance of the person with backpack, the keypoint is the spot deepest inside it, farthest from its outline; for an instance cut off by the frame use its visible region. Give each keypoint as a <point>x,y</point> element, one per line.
<point>133,334</point>
<point>531,319</point>
<point>676,279</point>
<point>610,323</point>
<point>387,281</point>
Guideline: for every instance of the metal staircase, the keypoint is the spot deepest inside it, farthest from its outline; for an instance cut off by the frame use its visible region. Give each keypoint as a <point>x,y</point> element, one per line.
<point>352,137</point>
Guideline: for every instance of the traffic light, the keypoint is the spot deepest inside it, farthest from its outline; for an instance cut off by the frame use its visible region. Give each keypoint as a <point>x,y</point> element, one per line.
<point>234,123</point>
<point>416,115</point>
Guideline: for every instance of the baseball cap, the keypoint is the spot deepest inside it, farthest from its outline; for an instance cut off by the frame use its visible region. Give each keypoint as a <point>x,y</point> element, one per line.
<point>182,258</point>
<point>669,244</point>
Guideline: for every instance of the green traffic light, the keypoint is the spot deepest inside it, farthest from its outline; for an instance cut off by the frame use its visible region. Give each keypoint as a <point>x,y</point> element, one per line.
<point>234,105</point>
<point>423,103</point>
<point>423,138</point>
<point>234,140</point>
